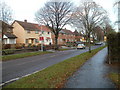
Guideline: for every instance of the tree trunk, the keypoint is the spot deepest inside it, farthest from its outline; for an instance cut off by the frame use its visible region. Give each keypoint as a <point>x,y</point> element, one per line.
<point>56,43</point>
<point>89,45</point>
<point>93,39</point>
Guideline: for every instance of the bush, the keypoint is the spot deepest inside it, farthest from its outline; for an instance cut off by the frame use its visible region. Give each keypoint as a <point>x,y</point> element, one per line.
<point>6,46</point>
<point>18,46</point>
<point>34,46</point>
<point>29,45</point>
<point>113,40</point>
<point>9,51</point>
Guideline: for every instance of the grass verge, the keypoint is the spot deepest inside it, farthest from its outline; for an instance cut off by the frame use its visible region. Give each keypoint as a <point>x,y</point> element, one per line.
<point>115,77</point>
<point>22,55</point>
<point>54,76</point>
<point>64,49</point>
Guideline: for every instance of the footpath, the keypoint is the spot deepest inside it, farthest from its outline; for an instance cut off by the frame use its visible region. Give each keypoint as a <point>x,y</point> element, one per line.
<point>93,74</point>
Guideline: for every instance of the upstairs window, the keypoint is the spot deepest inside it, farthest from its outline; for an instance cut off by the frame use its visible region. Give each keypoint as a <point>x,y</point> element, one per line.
<point>28,31</point>
<point>26,40</point>
<point>36,41</point>
<point>36,32</point>
<point>42,32</point>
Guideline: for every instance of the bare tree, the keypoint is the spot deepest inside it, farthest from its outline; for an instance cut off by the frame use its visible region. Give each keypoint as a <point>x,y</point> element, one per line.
<point>5,17</point>
<point>88,15</point>
<point>55,15</point>
<point>106,25</point>
<point>117,3</point>
<point>5,13</point>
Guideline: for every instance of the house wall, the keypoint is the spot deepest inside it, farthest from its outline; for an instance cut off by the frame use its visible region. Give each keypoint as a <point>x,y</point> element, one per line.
<point>32,36</point>
<point>64,38</point>
<point>47,38</point>
<point>19,31</point>
<point>7,40</point>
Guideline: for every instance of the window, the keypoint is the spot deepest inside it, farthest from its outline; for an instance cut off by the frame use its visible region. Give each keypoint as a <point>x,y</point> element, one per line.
<point>47,40</point>
<point>36,32</point>
<point>26,41</point>
<point>42,32</point>
<point>11,41</point>
<point>36,41</point>
<point>28,31</point>
<point>61,40</point>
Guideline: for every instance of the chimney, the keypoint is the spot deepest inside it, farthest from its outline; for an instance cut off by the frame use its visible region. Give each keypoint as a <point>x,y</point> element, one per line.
<point>25,20</point>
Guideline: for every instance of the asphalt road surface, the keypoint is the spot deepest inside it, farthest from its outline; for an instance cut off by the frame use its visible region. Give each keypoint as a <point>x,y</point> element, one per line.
<point>15,69</point>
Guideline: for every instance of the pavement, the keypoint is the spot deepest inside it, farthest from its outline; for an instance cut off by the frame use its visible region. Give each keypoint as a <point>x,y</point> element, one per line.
<point>15,69</point>
<point>93,74</point>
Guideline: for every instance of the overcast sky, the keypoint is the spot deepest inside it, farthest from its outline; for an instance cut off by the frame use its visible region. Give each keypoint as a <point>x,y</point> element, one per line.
<point>25,9</point>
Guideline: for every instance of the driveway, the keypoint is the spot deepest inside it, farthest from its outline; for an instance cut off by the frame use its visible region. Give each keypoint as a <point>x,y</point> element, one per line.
<point>92,74</point>
<point>15,69</point>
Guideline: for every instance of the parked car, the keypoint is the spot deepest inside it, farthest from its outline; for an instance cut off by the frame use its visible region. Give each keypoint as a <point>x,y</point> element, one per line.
<point>80,46</point>
<point>99,43</point>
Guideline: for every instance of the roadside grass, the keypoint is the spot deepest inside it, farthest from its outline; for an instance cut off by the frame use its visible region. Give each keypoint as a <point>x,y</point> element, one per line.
<point>115,77</point>
<point>22,55</point>
<point>64,49</point>
<point>54,76</point>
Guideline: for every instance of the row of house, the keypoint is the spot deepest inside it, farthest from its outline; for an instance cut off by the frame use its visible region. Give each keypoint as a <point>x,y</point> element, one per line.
<point>24,32</point>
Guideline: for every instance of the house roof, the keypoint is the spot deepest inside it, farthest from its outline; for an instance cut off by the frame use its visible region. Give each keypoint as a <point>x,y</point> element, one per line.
<point>5,27</point>
<point>43,28</point>
<point>33,26</point>
<point>28,26</point>
<point>10,35</point>
<point>68,32</point>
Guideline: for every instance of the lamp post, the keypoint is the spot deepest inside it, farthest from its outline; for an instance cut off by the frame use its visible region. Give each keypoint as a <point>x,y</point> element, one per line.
<point>41,41</point>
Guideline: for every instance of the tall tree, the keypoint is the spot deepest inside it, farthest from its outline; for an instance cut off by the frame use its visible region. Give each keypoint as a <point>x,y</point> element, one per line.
<point>106,25</point>
<point>89,15</point>
<point>117,3</point>
<point>55,15</point>
<point>5,17</point>
<point>5,12</point>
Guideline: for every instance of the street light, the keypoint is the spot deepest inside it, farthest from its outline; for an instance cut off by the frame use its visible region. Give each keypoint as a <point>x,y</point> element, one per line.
<point>42,41</point>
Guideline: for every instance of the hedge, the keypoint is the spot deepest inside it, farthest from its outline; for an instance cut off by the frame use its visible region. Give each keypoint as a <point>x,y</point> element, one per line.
<point>113,40</point>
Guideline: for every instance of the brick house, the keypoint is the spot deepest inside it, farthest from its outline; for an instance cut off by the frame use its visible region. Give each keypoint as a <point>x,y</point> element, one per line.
<point>46,34</point>
<point>65,36</point>
<point>78,36</point>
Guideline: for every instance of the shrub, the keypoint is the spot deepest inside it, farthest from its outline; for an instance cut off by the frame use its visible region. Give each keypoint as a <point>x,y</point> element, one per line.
<point>29,45</point>
<point>18,46</point>
<point>113,40</point>
<point>34,46</point>
<point>8,51</point>
<point>6,46</point>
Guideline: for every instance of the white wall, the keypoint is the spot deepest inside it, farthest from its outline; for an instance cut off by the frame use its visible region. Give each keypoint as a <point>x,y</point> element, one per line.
<point>8,40</point>
<point>45,35</point>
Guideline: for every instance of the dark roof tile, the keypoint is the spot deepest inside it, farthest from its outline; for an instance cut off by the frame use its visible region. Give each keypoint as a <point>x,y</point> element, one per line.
<point>10,35</point>
<point>28,26</point>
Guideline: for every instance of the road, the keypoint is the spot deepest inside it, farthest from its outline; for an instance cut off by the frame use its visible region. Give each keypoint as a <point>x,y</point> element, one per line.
<point>93,74</point>
<point>15,69</point>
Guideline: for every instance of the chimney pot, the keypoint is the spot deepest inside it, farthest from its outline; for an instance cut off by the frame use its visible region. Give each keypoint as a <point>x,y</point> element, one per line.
<point>25,20</point>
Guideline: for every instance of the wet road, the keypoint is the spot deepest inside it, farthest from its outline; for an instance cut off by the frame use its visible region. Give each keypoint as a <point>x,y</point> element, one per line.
<point>92,74</point>
<point>15,69</point>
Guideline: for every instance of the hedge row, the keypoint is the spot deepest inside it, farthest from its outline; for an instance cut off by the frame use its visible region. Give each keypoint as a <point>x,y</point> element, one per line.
<point>113,40</point>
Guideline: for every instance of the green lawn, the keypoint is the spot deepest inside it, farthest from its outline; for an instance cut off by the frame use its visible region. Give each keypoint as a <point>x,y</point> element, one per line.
<point>22,55</point>
<point>64,49</point>
<point>54,76</point>
<point>115,77</point>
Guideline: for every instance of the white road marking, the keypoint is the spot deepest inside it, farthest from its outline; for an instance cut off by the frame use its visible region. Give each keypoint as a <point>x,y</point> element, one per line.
<point>20,77</point>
